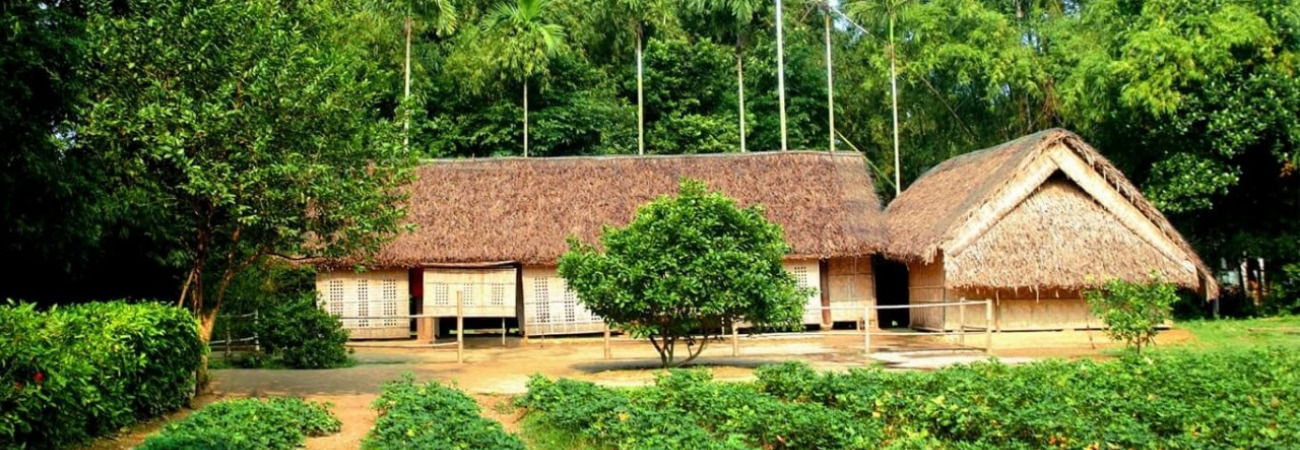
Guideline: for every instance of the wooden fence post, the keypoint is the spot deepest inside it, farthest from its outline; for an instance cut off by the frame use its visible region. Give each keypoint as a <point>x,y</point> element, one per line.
<point>988,327</point>
<point>460,329</point>
<point>735,341</point>
<point>961,322</point>
<point>866,330</point>
<point>607,352</point>
<point>503,331</point>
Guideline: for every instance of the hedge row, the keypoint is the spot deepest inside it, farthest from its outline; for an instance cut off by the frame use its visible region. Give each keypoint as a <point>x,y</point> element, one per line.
<point>1242,399</point>
<point>432,416</point>
<point>276,423</point>
<point>687,410</point>
<point>76,372</point>
<point>1231,400</point>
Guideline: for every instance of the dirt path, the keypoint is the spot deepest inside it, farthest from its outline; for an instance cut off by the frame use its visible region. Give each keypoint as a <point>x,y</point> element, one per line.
<point>493,374</point>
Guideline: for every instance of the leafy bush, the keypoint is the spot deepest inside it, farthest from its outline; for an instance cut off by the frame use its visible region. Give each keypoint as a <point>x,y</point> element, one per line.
<point>688,410</point>
<point>1174,400</point>
<point>254,424</point>
<point>302,336</point>
<point>86,370</point>
<point>686,268</point>
<point>1132,311</point>
<point>432,416</point>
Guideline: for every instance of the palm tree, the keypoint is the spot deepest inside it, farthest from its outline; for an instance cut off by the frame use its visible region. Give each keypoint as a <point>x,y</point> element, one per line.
<point>743,14</point>
<point>637,14</point>
<point>529,42</point>
<point>868,10</point>
<point>442,15</point>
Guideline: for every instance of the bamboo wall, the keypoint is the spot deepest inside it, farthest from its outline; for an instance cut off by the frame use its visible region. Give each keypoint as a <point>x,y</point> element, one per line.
<point>850,283</point>
<point>1013,310</point>
<point>925,285</point>
<point>380,294</point>
<point>488,292</point>
<point>550,308</point>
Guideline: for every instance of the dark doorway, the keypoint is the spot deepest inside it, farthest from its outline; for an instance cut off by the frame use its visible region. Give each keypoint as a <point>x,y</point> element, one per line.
<point>891,289</point>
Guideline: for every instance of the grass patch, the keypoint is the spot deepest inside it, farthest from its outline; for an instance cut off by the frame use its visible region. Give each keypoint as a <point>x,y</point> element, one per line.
<point>537,435</point>
<point>1241,334</point>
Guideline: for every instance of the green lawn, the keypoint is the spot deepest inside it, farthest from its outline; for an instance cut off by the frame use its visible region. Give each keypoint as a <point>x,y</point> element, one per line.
<point>1227,334</point>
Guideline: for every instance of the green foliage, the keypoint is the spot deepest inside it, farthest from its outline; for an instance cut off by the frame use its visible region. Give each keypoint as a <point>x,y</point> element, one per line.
<point>254,424</point>
<point>1285,297</point>
<point>87,370</point>
<point>432,416</point>
<point>248,129</point>
<point>1242,399</point>
<point>1133,311</point>
<point>690,265</point>
<point>300,335</point>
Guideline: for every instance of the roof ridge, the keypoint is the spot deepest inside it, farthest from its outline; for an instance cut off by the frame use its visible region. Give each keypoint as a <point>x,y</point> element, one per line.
<point>725,155</point>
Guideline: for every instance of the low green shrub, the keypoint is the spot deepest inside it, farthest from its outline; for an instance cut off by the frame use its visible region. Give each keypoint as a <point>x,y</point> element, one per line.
<point>299,335</point>
<point>72,373</point>
<point>687,410</point>
<point>254,424</point>
<point>1175,400</point>
<point>1239,399</point>
<point>432,416</point>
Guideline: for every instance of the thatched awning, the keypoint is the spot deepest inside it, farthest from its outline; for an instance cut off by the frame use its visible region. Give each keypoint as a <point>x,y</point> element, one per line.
<point>1043,211</point>
<point>517,209</point>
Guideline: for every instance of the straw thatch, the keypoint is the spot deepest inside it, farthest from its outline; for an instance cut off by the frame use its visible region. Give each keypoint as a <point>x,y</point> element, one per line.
<point>1024,214</point>
<point>522,210</point>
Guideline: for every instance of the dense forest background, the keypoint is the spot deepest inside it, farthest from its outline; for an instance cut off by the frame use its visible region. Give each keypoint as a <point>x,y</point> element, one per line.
<point>1196,100</point>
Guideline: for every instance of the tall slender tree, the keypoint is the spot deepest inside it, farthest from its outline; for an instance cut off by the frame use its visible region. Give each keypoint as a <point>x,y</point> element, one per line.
<point>438,14</point>
<point>740,27</point>
<point>529,42</point>
<point>638,16</point>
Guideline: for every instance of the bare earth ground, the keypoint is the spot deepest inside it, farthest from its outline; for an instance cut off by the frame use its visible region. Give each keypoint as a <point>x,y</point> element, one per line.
<point>493,374</point>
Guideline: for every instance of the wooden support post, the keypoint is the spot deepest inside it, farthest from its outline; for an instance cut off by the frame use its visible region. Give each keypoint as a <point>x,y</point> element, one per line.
<point>961,322</point>
<point>866,330</point>
<point>460,329</point>
<point>503,331</point>
<point>607,352</point>
<point>735,341</point>
<point>988,327</point>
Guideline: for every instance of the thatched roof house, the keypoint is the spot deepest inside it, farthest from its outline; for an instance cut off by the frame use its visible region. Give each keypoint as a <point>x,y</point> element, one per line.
<point>1029,224</point>
<point>494,228</point>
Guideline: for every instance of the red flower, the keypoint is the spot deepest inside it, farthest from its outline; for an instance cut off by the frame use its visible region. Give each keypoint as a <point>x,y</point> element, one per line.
<point>40,377</point>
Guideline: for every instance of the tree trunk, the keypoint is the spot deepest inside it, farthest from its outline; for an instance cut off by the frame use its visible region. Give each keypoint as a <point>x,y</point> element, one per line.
<point>893,89</point>
<point>525,116</point>
<point>830,83</point>
<point>406,94</point>
<point>740,88</point>
<point>780,72</point>
<point>640,95</point>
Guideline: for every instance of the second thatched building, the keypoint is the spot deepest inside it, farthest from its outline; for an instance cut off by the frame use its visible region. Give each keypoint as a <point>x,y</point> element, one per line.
<point>1030,224</point>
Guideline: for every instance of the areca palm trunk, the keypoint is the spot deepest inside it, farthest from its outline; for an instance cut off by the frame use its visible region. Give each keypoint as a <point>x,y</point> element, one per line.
<point>525,117</point>
<point>406,94</point>
<point>780,72</point>
<point>830,82</point>
<point>740,87</point>
<point>640,96</point>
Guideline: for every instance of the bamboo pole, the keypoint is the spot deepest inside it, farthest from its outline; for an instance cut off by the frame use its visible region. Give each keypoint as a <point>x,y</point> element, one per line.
<point>988,326</point>
<point>735,341</point>
<point>830,82</point>
<point>503,331</point>
<point>866,330</point>
<point>607,350</point>
<point>961,322</point>
<point>460,329</point>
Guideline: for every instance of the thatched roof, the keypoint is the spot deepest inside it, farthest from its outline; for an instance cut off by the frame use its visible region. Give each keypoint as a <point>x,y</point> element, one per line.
<point>522,210</point>
<point>1043,211</point>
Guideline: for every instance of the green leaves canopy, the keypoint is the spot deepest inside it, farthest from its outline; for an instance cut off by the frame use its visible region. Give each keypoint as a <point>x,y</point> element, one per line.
<point>687,265</point>
<point>251,128</point>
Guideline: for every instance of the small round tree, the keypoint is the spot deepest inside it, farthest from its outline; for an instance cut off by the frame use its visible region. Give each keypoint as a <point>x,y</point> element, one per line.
<point>1133,311</point>
<point>685,269</point>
